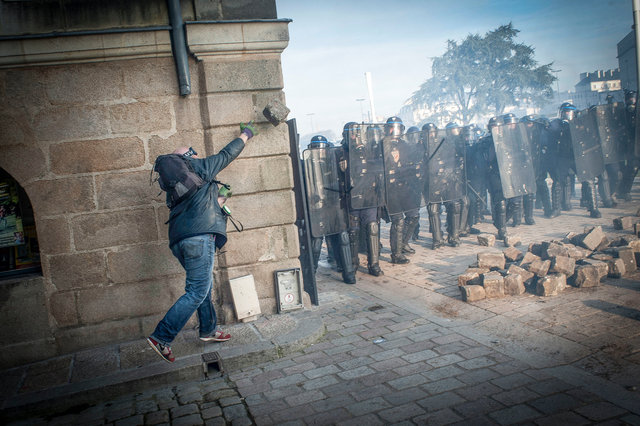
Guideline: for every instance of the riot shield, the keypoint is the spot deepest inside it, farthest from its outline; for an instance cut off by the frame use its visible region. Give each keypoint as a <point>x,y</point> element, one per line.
<point>515,163</point>
<point>366,167</point>
<point>327,210</point>
<point>534,135</point>
<point>403,173</point>
<point>613,131</point>
<point>587,150</point>
<point>446,176</point>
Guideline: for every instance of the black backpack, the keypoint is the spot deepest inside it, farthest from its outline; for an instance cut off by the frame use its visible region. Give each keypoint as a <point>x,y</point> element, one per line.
<point>176,177</point>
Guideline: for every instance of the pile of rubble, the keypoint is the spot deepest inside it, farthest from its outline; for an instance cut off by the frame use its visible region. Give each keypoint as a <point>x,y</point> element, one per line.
<point>580,260</point>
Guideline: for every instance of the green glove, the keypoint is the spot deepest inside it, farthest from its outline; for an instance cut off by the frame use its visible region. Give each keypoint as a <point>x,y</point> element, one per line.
<point>248,129</point>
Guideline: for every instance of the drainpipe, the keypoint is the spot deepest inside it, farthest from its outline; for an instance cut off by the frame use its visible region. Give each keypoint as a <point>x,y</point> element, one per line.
<point>179,46</point>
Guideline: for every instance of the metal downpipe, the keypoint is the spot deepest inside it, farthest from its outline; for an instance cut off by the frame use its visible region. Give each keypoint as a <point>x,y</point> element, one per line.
<point>179,46</point>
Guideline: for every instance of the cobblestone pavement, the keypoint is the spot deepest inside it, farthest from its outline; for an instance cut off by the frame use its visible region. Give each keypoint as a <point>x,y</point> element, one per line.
<point>404,349</point>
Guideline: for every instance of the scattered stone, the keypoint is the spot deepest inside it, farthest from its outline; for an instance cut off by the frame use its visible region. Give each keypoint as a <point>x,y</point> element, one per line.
<point>516,270</point>
<point>512,254</point>
<point>528,258</point>
<point>465,278</point>
<point>539,267</point>
<point>586,276</point>
<point>563,265</point>
<point>578,252</point>
<point>569,237</point>
<point>476,269</point>
<point>551,285</point>
<point>552,249</point>
<point>625,222</point>
<point>602,256</point>
<point>591,238</point>
<point>472,293</point>
<point>623,240</point>
<point>604,244</point>
<point>603,267</point>
<point>513,285</point>
<point>487,240</point>
<point>491,260</point>
<point>636,229</point>
<point>626,254</point>
<point>635,245</point>
<point>493,284</point>
<point>616,268</point>
<point>512,240</point>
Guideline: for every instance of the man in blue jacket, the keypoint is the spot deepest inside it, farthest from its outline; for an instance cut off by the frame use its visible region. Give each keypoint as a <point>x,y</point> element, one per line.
<point>197,226</point>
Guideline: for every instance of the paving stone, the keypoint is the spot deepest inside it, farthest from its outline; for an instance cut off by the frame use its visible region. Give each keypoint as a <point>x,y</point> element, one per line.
<point>156,417</point>
<point>529,257</point>
<point>600,411</point>
<point>563,265</point>
<point>493,284</point>
<point>440,401</point>
<point>487,240</point>
<point>472,293</point>
<point>539,267</point>
<point>402,412</point>
<point>369,406</point>
<point>568,418</point>
<point>491,260</point>
<point>586,276</point>
<point>555,403</point>
<point>513,285</point>
<point>526,275</point>
<point>617,268</point>
<point>591,238</point>
<point>551,285</point>
<point>515,414</point>
<point>467,278</point>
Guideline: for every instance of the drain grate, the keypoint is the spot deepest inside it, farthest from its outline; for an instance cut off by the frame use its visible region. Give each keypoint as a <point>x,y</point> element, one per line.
<point>212,365</point>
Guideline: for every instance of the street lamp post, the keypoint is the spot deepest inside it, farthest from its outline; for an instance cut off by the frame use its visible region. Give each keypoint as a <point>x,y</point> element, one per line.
<point>310,115</point>
<point>360,100</point>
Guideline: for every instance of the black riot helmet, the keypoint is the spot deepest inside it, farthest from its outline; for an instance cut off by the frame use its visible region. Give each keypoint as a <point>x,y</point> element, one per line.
<point>374,133</point>
<point>509,119</point>
<point>430,130</point>
<point>393,127</point>
<point>349,131</point>
<point>544,121</point>
<point>453,128</point>
<point>319,142</point>
<point>529,120</point>
<point>567,111</point>
<point>630,98</point>
<point>494,122</point>
<point>413,134</point>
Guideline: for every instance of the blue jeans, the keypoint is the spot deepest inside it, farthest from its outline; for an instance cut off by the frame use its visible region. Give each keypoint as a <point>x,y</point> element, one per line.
<point>196,255</point>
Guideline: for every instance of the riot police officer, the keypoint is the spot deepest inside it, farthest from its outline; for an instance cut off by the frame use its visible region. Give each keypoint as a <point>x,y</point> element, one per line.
<point>563,160</point>
<point>514,204</point>
<point>365,218</point>
<point>631,165</point>
<point>327,205</point>
<point>412,216</point>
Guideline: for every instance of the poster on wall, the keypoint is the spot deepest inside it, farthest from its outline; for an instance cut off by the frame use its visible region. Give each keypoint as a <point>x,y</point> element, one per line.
<point>11,230</point>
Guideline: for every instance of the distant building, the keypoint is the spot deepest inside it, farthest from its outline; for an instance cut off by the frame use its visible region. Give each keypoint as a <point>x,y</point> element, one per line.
<point>627,62</point>
<point>598,87</point>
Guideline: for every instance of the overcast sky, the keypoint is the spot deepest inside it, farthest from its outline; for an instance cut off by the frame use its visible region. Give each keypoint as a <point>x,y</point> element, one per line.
<point>333,43</point>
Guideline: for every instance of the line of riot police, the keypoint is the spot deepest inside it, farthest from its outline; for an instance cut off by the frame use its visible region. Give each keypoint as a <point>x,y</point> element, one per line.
<point>379,171</point>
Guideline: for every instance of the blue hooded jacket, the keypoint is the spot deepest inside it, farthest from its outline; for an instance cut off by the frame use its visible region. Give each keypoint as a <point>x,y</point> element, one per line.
<point>201,213</point>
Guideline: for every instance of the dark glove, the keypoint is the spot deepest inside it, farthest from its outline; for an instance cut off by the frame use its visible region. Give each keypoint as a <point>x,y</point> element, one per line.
<point>248,129</point>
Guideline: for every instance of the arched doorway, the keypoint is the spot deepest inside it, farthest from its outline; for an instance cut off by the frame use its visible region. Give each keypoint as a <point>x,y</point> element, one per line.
<point>19,251</point>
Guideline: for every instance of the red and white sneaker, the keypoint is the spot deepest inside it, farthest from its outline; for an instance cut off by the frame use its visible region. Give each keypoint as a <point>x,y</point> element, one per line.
<point>217,336</point>
<point>163,350</point>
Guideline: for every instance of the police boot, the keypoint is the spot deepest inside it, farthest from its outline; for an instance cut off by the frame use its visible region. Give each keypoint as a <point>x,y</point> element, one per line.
<point>333,256</point>
<point>409,225</point>
<point>348,271</point>
<point>592,199</point>
<point>373,249</point>
<point>556,195</point>
<point>515,210</point>
<point>527,204</point>
<point>395,240</point>
<point>583,196</point>
<point>453,223</point>
<point>435,226</point>
<point>416,231</point>
<point>354,239</point>
<point>566,193</point>
<point>316,248</point>
<point>542,195</point>
<point>464,217</point>
<point>500,218</point>
<point>604,188</point>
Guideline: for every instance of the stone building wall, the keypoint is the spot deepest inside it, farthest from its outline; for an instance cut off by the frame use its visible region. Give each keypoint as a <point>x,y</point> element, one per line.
<point>83,118</point>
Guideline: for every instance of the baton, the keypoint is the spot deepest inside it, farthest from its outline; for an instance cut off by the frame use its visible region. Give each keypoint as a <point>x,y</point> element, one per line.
<point>436,150</point>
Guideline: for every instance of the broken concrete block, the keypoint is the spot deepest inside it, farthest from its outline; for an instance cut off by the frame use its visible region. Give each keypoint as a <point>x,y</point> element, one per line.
<point>471,293</point>
<point>578,252</point>
<point>487,240</point>
<point>563,265</point>
<point>512,240</point>
<point>552,249</point>
<point>586,276</point>
<point>626,254</point>
<point>616,268</point>
<point>591,239</point>
<point>512,254</point>
<point>539,267</point>
<point>493,283</point>
<point>513,285</point>
<point>528,258</point>
<point>464,279</point>
<point>551,285</point>
<point>516,270</point>
<point>625,222</point>
<point>603,267</point>
<point>491,260</point>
